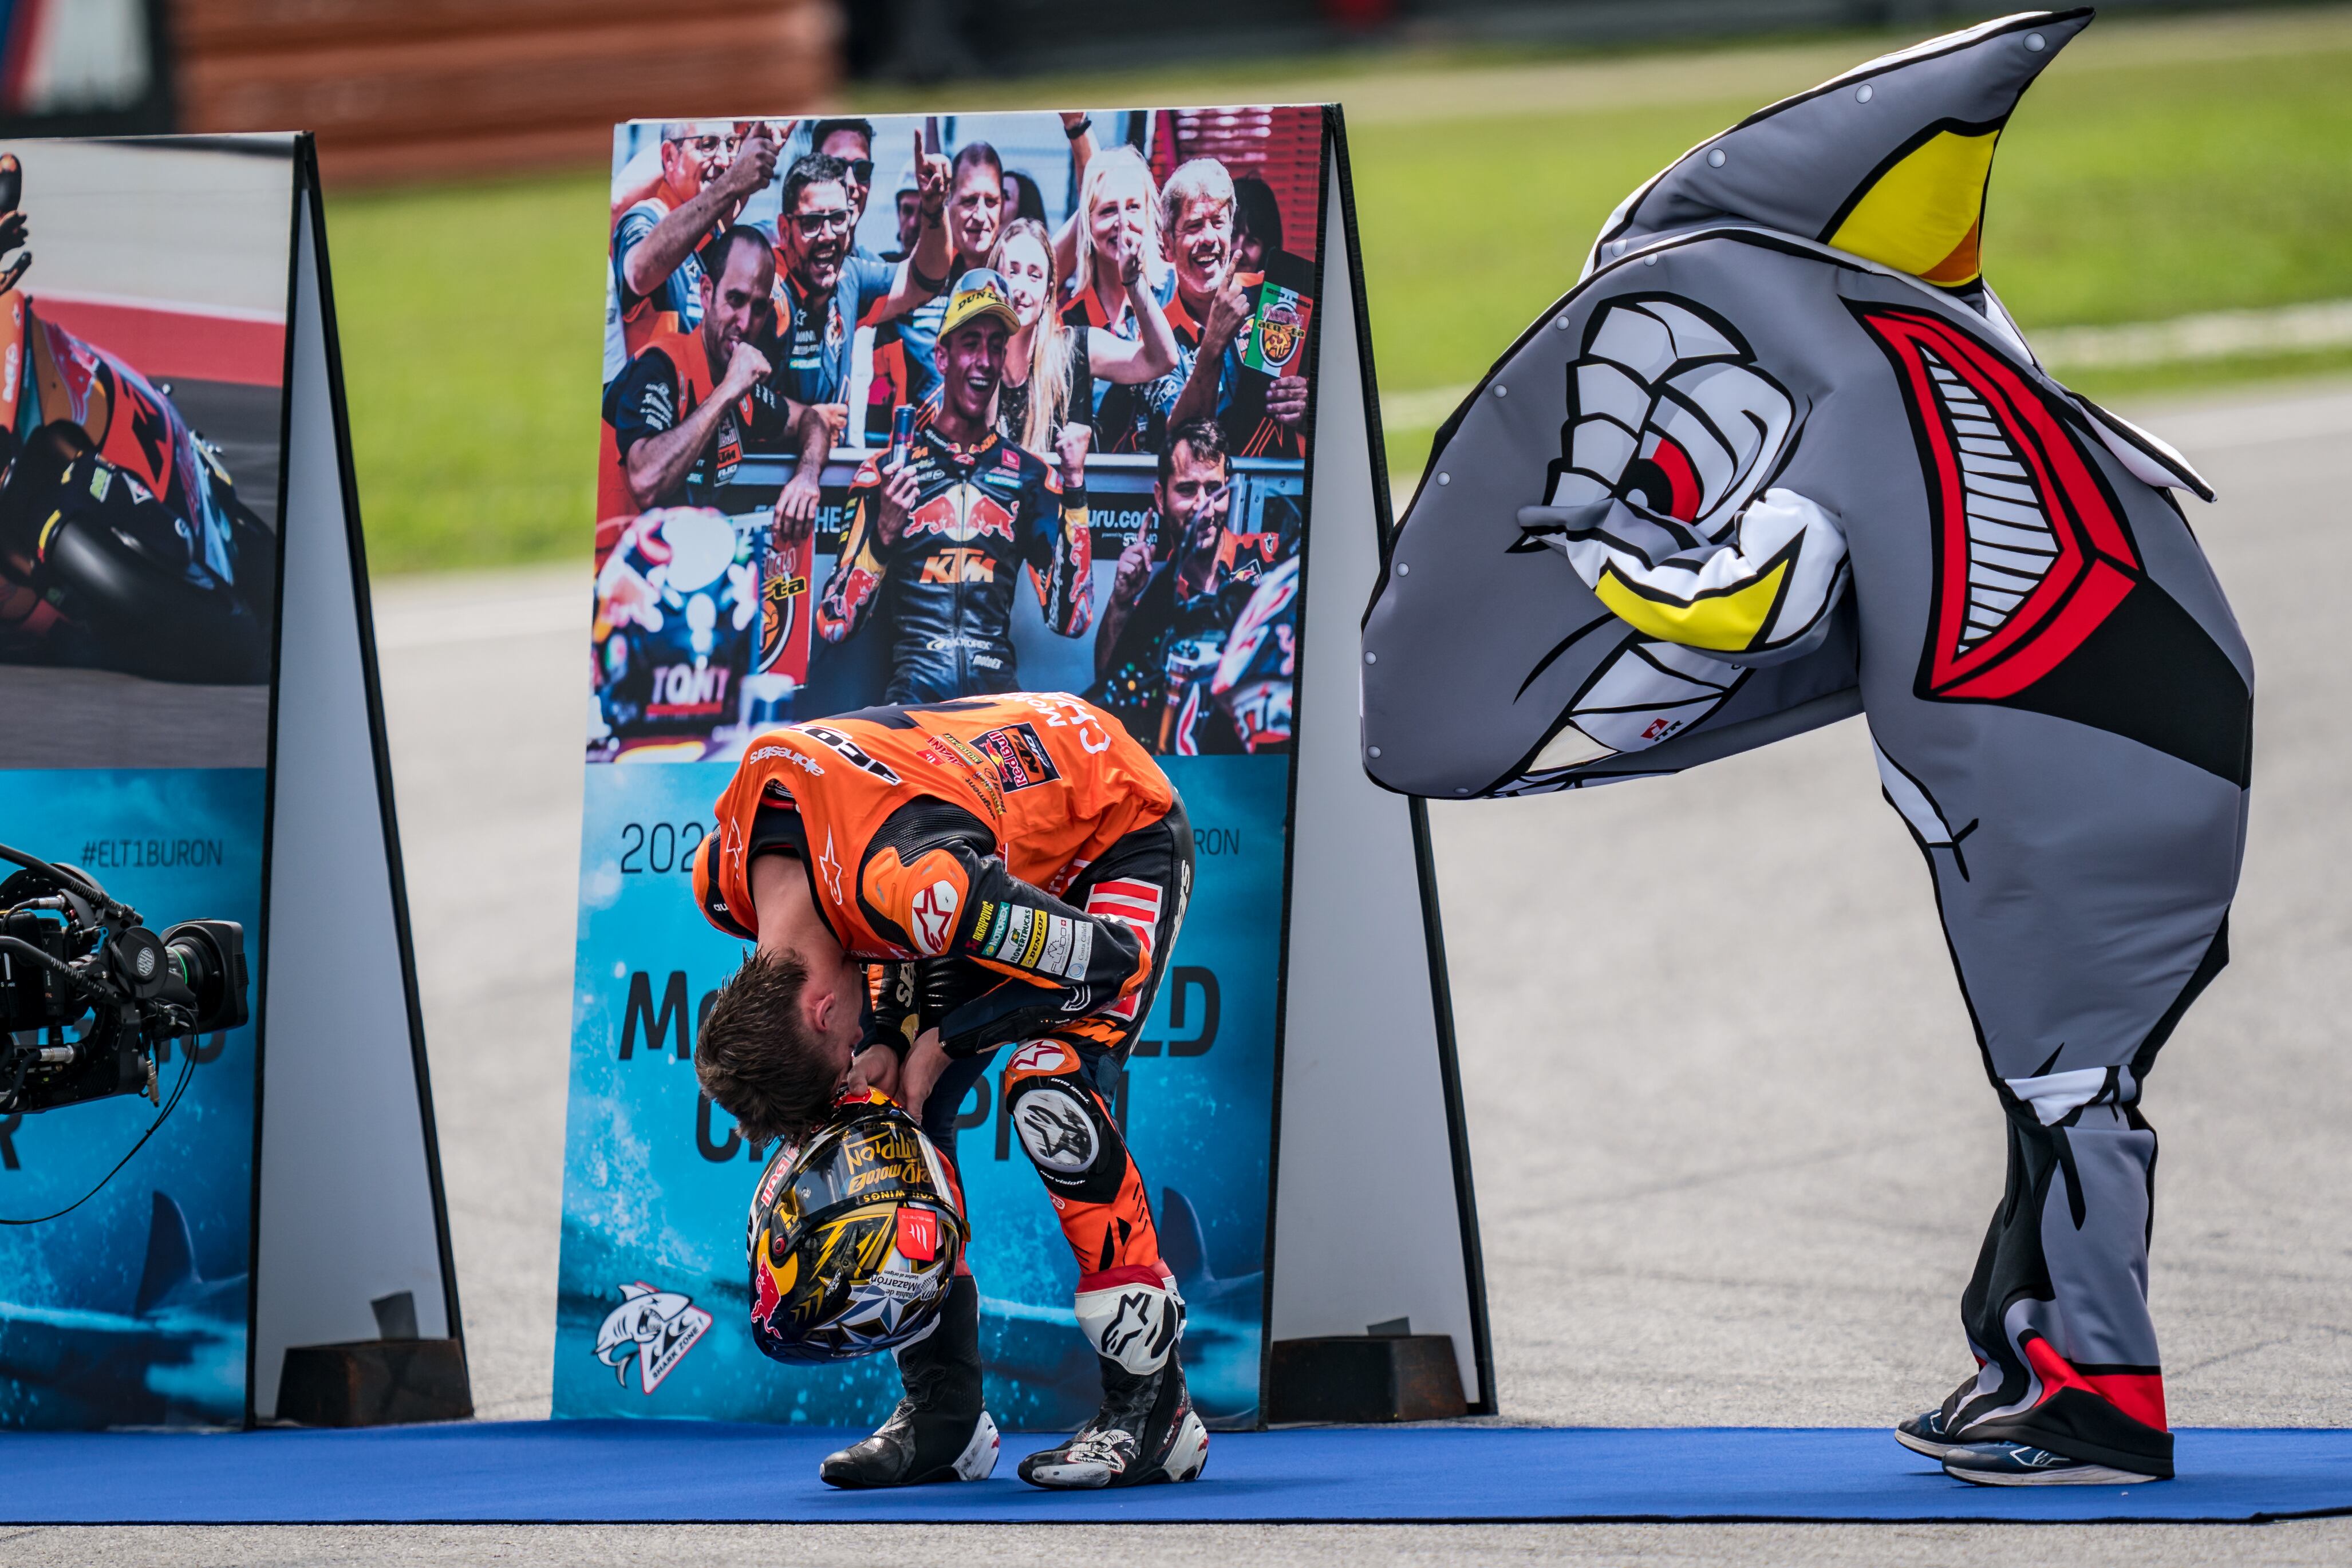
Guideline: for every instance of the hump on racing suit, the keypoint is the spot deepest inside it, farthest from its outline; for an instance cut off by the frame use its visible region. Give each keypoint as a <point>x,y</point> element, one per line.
<point>981,515</point>
<point>949,831</point>
<point>123,543</point>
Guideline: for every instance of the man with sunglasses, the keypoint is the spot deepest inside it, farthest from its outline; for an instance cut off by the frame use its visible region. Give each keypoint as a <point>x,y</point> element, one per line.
<point>1165,625</point>
<point>709,168</point>
<point>823,292</point>
<point>852,141</point>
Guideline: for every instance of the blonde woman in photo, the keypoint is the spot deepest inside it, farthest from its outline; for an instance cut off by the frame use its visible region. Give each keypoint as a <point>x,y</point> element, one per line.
<point>1049,356</point>
<point>1119,225</point>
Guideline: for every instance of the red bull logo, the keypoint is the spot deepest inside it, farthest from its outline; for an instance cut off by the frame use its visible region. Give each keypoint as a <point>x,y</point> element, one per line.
<point>961,513</point>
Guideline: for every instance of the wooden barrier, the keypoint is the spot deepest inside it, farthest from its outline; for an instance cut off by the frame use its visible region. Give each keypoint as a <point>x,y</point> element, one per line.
<point>414,89</point>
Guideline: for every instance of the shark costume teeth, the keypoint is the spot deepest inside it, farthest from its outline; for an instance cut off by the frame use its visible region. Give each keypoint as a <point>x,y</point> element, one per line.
<point>1780,456</point>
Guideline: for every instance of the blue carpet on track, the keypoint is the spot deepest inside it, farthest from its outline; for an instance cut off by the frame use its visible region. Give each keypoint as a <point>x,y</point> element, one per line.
<point>668,1471</point>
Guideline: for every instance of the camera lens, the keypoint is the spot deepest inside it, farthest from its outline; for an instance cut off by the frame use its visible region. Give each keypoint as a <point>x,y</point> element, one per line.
<point>208,956</point>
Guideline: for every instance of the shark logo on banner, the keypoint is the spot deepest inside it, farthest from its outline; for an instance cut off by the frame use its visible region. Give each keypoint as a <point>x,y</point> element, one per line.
<point>655,1327</point>
<point>1781,405</point>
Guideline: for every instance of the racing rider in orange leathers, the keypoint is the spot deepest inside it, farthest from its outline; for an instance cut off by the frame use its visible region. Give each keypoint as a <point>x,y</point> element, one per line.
<point>1022,866</point>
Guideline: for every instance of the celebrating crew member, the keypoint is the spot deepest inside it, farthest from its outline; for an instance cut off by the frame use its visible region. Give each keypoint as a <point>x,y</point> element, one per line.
<point>975,211</point>
<point>1164,629</point>
<point>1048,358</point>
<point>925,837</point>
<point>707,172</point>
<point>940,540</point>
<point>1217,303</point>
<point>676,420</point>
<point>851,143</point>
<point>1119,212</point>
<point>823,292</point>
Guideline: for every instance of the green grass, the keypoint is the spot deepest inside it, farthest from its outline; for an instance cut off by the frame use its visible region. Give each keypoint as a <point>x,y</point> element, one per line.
<point>2127,190</point>
<point>472,325</point>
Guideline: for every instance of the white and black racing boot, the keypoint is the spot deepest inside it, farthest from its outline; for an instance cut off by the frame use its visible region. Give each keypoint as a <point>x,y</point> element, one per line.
<point>1146,1432</point>
<point>940,1430</point>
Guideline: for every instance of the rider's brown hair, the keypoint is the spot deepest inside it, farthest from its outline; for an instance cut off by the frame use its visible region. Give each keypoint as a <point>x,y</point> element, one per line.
<point>756,1056</point>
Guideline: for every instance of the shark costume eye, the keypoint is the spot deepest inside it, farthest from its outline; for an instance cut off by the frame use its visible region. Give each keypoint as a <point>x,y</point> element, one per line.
<point>1669,414</point>
<point>1672,430</point>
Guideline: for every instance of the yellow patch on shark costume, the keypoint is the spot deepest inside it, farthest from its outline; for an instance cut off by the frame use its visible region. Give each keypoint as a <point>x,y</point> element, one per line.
<point>1724,622</point>
<point>1924,214</point>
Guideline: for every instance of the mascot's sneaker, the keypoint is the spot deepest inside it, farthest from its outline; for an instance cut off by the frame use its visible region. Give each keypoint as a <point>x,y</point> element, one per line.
<point>1146,1432</point>
<point>914,1447</point>
<point>2022,1465</point>
<point>1926,1434</point>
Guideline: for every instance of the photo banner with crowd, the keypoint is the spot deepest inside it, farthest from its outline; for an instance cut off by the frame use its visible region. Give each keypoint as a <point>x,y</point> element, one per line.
<point>818,494</point>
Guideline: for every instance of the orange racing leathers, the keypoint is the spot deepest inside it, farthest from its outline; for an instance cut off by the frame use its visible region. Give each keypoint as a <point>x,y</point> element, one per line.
<point>945,585</point>
<point>1024,867</point>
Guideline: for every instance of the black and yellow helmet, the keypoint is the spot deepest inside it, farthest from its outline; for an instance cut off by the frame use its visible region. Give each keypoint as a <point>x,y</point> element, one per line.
<point>855,1236</point>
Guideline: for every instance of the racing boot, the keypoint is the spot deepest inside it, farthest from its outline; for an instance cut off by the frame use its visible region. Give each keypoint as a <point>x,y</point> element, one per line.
<point>940,1430</point>
<point>1146,1432</point>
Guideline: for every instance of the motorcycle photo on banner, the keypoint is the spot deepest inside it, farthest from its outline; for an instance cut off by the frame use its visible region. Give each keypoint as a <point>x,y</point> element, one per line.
<point>1028,427</point>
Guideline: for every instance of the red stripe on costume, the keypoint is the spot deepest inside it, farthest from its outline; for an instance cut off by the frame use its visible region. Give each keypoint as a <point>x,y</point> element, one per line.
<point>2139,1395</point>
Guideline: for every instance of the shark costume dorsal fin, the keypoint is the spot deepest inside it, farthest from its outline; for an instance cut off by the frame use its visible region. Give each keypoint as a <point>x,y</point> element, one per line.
<point>1887,162</point>
<point>171,1256</point>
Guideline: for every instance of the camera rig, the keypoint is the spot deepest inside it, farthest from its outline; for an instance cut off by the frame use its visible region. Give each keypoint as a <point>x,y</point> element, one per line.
<point>88,994</point>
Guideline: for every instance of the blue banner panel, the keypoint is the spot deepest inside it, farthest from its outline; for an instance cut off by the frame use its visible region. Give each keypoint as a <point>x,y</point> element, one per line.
<point>133,1310</point>
<point>654,1315</point>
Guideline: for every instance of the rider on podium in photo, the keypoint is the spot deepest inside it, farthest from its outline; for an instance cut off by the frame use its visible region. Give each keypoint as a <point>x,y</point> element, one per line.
<point>936,546</point>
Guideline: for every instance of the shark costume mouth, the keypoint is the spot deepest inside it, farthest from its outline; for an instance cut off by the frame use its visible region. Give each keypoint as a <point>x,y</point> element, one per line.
<point>2031,554</point>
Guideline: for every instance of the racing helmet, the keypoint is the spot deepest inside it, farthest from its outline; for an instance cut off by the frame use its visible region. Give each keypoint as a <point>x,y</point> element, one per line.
<point>855,1236</point>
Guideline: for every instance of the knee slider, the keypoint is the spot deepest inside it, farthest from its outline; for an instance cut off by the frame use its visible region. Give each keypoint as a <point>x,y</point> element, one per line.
<point>1069,1137</point>
<point>1132,1315</point>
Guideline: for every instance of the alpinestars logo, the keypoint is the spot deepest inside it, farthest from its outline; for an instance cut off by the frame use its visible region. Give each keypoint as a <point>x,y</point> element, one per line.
<point>653,1327</point>
<point>935,911</point>
<point>1055,1131</point>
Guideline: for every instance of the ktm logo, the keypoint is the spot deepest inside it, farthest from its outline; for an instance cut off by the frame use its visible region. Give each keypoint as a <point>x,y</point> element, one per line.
<point>960,563</point>
<point>961,513</point>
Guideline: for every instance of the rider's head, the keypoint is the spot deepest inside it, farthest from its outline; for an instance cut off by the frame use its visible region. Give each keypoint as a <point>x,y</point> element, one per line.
<point>782,1030</point>
<point>737,293</point>
<point>1194,472</point>
<point>980,322</point>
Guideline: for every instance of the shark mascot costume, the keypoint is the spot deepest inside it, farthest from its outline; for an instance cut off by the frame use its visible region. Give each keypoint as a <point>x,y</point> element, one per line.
<point>1780,457</point>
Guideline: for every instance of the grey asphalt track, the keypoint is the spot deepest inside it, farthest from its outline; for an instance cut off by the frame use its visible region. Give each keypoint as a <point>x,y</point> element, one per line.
<point>1733,1145</point>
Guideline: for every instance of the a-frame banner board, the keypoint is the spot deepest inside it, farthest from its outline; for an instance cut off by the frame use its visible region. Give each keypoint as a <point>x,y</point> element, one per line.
<point>1188,362</point>
<point>189,715</point>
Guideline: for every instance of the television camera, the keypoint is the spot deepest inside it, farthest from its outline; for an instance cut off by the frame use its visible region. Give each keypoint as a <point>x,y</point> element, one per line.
<point>88,994</point>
